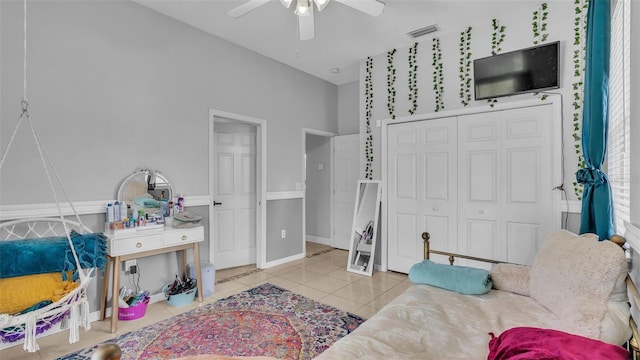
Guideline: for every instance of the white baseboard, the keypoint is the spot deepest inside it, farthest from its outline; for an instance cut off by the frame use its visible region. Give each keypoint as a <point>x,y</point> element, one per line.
<point>270,264</point>
<point>320,240</point>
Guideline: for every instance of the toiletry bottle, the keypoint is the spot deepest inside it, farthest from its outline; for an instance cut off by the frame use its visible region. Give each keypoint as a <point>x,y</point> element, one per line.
<point>164,207</point>
<point>116,211</point>
<point>110,213</point>
<point>123,211</point>
<point>180,203</point>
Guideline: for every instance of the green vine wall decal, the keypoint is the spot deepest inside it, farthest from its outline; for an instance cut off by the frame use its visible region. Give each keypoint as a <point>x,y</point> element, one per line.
<point>497,37</point>
<point>579,31</point>
<point>391,84</point>
<point>413,79</point>
<point>540,35</point>
<point>438,78</point>
<point>539,24</point>
<point>465,67</point>
<point>368,105</point>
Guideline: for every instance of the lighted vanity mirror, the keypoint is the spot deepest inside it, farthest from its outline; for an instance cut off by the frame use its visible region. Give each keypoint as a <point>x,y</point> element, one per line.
<point>145,189</point>
<point>365,226</point>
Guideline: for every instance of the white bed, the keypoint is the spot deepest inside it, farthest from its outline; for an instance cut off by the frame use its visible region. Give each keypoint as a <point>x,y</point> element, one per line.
<point>426,322</point>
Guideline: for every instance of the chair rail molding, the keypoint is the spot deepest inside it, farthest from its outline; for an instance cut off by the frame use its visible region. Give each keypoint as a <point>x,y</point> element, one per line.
<point>24,211</point>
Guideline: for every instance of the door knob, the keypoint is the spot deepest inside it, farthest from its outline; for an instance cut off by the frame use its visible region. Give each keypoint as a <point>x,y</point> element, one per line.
<point>215,203</point>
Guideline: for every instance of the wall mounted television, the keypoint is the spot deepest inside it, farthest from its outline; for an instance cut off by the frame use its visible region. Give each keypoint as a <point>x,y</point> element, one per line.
<point>527,70</point>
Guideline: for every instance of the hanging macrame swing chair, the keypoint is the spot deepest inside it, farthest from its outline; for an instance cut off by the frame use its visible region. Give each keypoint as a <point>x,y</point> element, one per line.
<point>22,240</point>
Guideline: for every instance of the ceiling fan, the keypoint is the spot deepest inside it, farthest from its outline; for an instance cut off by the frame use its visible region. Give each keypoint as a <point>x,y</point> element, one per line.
<point>304,10</point>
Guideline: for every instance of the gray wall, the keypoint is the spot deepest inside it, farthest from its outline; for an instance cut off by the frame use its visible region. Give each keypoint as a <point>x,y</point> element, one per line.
<point>287,215</point>
<point>318,187</point>
<point>348,109</point>
<point>114,85</point>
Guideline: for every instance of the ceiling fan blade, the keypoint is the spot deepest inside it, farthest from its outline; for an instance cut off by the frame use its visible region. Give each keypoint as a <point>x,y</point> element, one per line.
<point>246,8</point>
<point>370,7</point>
<point>306,26</point>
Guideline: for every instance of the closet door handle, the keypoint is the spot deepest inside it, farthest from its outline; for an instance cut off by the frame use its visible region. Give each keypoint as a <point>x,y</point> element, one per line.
<point>215,203</point>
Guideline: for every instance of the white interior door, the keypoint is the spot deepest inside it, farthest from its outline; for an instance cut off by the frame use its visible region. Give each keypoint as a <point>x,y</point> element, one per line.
<point>506,199</point>
<point>346,172</point>
<point>234,228</point>
<point>421,189</point>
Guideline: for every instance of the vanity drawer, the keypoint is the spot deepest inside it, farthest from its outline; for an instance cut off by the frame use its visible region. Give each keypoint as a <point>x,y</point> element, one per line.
<point>184,236</point>
<point>124,246</point>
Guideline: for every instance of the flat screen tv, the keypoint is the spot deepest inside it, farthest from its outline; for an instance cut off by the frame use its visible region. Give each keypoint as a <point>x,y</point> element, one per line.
<point>532,69</point>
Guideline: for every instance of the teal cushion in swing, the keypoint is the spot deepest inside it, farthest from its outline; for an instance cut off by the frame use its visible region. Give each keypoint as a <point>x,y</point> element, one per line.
<point>52,254</point>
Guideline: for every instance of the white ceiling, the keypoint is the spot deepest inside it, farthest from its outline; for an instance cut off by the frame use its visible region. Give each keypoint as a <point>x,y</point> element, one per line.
<point>344,36</point>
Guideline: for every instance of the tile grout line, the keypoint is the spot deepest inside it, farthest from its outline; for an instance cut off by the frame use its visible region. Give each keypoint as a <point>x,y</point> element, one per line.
<point>255,271</point>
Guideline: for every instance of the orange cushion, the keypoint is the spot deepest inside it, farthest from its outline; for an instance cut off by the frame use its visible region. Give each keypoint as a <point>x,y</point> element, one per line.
<point>21,292</point>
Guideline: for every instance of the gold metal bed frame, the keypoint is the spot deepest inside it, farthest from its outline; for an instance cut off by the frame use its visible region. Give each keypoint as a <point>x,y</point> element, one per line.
<point>632,344</point>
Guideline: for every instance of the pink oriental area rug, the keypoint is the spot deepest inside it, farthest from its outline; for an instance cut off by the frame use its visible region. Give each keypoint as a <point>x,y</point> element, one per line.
<point>263,321</point>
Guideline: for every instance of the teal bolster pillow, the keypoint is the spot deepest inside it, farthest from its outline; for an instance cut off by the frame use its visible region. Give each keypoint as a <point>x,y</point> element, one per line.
<point>461,279</point>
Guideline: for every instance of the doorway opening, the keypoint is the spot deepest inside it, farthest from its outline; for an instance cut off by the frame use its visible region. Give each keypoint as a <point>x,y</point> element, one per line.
<point>318,186</point>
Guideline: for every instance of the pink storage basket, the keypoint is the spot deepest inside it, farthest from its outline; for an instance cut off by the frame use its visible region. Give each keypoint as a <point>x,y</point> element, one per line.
<point>133,312</point>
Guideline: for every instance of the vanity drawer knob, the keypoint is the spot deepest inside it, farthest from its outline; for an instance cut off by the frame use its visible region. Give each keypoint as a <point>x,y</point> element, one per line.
<point>481,212</point>
<point>184,237</point>
<point>139,245</point>
<point>435,209</point>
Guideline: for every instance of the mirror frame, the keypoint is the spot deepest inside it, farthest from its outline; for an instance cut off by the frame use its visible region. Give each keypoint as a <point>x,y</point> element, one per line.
<point>353,253</point>
<point>143,173</point>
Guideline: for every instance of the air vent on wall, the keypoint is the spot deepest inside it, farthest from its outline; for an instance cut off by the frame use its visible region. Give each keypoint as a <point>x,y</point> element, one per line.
<point>423,31</point>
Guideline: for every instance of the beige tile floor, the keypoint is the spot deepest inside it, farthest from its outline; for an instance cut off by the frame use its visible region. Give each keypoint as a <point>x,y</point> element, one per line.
<point>321,276</point>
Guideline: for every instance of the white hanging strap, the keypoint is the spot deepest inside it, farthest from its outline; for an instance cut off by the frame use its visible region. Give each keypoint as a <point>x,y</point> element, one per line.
<point>15,131</point>
<point>30,343</point>
<point>74,333</point>
<point>24,57</point>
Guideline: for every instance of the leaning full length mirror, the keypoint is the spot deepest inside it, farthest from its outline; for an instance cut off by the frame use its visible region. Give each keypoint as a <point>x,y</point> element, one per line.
<point>144,190</point>
<point>365,225</point>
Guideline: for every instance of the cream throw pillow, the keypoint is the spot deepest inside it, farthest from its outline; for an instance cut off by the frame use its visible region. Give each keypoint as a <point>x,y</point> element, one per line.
<point>511,277</point>
<point>574,276</point>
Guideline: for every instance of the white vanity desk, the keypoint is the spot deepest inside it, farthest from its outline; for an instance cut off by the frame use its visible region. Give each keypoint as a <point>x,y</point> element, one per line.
<point>136,243</point>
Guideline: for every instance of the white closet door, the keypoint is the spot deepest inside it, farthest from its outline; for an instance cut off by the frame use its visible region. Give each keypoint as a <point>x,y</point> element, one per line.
<point>505,194</point>
<point>421,189</point>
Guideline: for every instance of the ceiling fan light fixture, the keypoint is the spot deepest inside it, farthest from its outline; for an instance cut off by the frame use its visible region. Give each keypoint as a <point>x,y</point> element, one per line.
<point>286,3</point>
<point>321,4</point>
<point>302,8</point>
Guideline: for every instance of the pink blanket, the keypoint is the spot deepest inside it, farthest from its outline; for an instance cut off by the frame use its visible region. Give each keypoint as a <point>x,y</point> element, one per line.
<point>522,343</point>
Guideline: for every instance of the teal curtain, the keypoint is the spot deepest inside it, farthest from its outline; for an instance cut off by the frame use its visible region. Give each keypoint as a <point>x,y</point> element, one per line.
<point>597,205</point>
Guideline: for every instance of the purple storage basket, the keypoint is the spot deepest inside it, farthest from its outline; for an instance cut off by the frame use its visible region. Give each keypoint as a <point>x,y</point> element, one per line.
<point>133,312</point>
